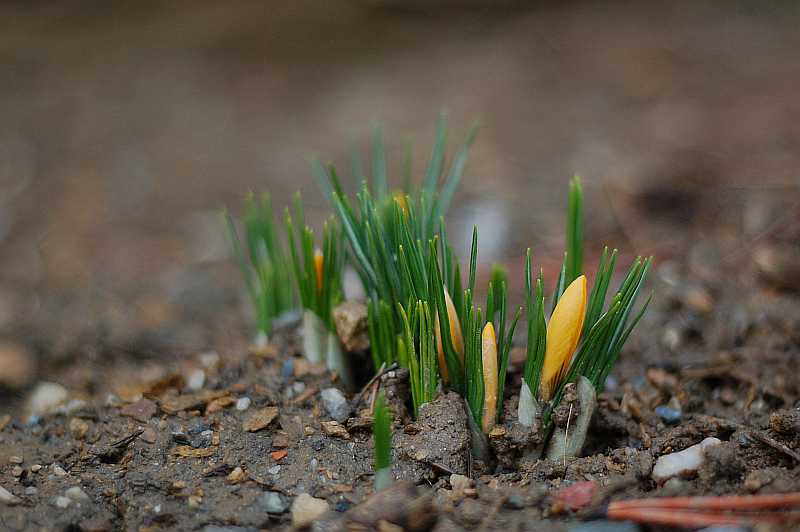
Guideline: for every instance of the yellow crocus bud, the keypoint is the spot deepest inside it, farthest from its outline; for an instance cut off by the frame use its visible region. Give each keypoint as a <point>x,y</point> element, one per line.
<point>563,334</point>
<point>489,355</point>
<point>401,200</point>
<point>318,263</point>
<point>456,337</point>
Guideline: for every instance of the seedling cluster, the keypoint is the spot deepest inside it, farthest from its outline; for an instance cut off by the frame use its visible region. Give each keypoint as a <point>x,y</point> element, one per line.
<point>422,313</point>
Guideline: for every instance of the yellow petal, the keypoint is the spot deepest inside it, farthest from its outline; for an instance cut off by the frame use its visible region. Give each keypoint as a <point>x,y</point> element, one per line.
<point>489,353</point>
<point>563,334</point>
<point>401,200</point>
<point>318,263</point>
<point>456,337</point>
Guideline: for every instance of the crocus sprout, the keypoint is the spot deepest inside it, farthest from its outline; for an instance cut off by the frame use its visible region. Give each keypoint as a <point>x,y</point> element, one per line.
<point>563,333</point>
<point>456,336</point>
<point>489,355</point>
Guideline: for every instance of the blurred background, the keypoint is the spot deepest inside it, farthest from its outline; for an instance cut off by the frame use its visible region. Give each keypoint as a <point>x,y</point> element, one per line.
<point>126,128</point>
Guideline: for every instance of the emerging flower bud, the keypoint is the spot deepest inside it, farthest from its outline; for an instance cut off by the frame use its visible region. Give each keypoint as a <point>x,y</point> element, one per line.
<point>318,264</point>
<point>563,334</point>
<point>456,337</point>
<point>489,355</point>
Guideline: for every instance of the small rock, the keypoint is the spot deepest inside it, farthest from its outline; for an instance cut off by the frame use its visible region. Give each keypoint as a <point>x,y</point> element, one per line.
<point>335,430</point>
<point>683,463</point>
<point>58,470</point>
<point>98,523</point>
<point>46,397</point>
<point>260,419</point>
<point>209,359</point>
<point>17,366</point>
<point>17,471</point>
<point>298,387</point>
<point>62,502</point>
<point>6,497</point>
<point>36,468</point>
<point>462,486</point>
<point>243,404</point>
<point>237,475</point>
<point>335,404</point>
<point>76,494</point>
<point>78,428</point>
<point>576,496</point>
<point>30,491</point>
<point>196,380</point>
<point>280,441</point>
<point>306,509</point>
<point>141,410</point>
<point>149,435</point>
<point>15,459</point>
<point>668,415</point>
<point>350,319</point>
<point>273,502</point>
<point>274,470</point>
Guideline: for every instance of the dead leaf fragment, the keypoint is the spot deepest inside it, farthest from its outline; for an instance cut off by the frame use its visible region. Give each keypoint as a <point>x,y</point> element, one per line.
<point>260,419</point>
<point>187,451</point>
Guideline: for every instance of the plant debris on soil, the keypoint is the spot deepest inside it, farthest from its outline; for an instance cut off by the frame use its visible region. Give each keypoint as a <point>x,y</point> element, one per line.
<point>266,440</point>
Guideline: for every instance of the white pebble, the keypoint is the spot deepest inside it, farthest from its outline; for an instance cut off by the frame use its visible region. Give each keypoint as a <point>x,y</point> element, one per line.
<point>46,397</point>
<point>76,494</point>
<point>58,470</point>
<point>196,380</point>
<point>63,502</point>
<point>243,404</point>
<point>682,463</point>
<point>274,470</point>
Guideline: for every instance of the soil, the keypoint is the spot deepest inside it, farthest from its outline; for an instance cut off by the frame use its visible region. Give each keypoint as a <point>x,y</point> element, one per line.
<point>116,281</point>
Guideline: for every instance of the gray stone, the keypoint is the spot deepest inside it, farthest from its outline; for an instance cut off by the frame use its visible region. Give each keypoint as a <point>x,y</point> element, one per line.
<point>76,494</point>
<point>62,502</point>
<point>335,404</point>
<point>273,502</point>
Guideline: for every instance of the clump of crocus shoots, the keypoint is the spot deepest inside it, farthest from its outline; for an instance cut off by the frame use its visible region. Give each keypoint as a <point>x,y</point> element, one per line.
<point>583,339</point>
<point>421,312</point>
<point>263,263</point>
<point>318,275</point>
<point>382,438</point>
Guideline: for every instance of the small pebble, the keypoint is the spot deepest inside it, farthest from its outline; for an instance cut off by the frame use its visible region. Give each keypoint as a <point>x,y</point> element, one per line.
<point>46,397</point>
<point>273,502</point>
<point>31,490</point>
<point>58,470</point>
<point>274,470</point>
<point>76,494</point>
<point>17,471</point>
<point>306,509</point>
<point>682,463</point>
<point>299,387</point>
<point>243,404</point>
<point>15,459</point>
<point>668,415</point>
<point>287,370</point>
<point>6,497</point>
<point>335,404</point>
<point>196,380</point>
<point>62,502</point>
<point>36,468</point>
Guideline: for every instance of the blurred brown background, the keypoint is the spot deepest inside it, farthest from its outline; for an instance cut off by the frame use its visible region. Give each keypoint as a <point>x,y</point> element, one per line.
<point>125,128</point>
